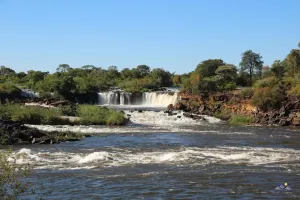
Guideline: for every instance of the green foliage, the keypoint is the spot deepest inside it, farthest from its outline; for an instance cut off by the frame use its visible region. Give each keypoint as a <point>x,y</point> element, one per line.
<point>12,176</point>
<point>208,68</point>
<point>96,115</point>
<point>246,93</point>
<point>9,89</point>
<point>161,78</point>
<point>224,114</point>
<point>32,114</point>
<point>278,69</point>
<point>68,110</point>
<point>293,62</point>
<point>266,82</point>
<point>137,85</point>
<point>241,119</point>
<point>252,63</point>
<point>268,98</point>
<point>295,91</point>
<point>208,84</point>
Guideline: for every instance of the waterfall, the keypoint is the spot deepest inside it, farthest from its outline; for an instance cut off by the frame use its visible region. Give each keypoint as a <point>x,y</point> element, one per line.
<point>159,99</point>
<point>108,98</point>
<point>143,99</point>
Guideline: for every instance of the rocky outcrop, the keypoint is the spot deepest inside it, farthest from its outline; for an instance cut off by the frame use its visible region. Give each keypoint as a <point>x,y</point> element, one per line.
<point>229,104</point>
<point>14,132</point>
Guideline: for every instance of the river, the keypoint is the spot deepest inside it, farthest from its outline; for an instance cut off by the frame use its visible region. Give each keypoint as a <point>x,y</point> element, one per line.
<point>168,157</point>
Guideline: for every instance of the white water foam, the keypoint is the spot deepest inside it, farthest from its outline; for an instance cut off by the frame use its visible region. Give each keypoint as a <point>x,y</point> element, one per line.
<point>193,156</point>
<point>144,122</point>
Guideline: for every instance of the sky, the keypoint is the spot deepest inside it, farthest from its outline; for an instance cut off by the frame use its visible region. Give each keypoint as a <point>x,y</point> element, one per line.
<point>172,34</point>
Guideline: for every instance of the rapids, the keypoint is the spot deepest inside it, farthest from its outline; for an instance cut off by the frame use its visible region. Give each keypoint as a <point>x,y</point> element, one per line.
<point>158,156</point>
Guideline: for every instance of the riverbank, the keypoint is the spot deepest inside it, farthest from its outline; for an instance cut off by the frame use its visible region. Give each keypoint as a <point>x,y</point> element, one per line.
<point>14,116</point>
<point>14,132</point>
<point>238,110</point>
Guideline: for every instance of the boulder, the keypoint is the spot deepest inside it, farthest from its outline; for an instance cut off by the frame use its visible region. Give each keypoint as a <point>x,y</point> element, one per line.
<point>170,107</point>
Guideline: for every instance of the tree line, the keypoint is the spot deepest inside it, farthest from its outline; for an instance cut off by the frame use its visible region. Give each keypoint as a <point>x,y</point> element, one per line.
<point>212,75</point>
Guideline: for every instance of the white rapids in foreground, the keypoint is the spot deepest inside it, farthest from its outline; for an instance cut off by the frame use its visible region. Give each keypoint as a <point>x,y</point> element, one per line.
<point>192,156</point>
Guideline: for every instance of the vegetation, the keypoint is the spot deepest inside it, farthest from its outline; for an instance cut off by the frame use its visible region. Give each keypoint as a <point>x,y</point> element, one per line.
<point>241,119</point>
<point>87,114</point>
<point>12,177</point>
<point>94,115</point>
<point>270,85</point>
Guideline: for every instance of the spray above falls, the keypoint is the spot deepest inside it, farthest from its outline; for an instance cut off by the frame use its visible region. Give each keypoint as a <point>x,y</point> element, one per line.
<point>145,98</point>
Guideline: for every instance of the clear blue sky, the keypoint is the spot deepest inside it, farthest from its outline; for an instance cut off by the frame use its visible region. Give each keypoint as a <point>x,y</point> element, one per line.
<point>172,34</point>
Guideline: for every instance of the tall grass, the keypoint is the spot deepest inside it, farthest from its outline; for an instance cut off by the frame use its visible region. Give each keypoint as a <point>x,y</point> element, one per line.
<point>241,119</point>
<point>32,114</point>
<point>95,115</point>
<point>88,115</point>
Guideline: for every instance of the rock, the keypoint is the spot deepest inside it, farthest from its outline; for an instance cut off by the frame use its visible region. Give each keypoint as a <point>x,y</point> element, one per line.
<point>140,111</point>
<point>284,122</point>
<point>189,115</point>
<point>178,116</point>
<point>128,115</point>
<point>201,109</point>
<point>170,107</point>
<point>13,132</point>
<point>180,106</point>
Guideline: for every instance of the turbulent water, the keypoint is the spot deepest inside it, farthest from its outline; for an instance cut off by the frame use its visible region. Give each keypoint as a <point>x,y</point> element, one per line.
<point>150,99</point>
<point>168,157</point>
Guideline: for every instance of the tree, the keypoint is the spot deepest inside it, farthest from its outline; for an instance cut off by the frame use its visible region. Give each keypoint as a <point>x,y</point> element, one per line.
<point>208,68</point>
<point>299,44</point>
<point>252,63</point>
<point>161,77</point>
<point>35,76</point>
<point>6,71</point>
<point>226,77</point>
<point>293,60</point>
<point>278,69</point>
<point>63,68</point>
<point>88,67</point>
<point>143,70</point>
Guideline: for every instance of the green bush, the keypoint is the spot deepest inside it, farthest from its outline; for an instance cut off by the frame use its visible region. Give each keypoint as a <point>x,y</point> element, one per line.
<point>9,89</point>
<point>295,91</point>
<point>32,114</point>
<point>68,110</point>
<point>12,176</point>
<point>241,119</point>
<point>266,82</point>
<point>268,98</point>
<point>246,93</point>
<point>96,115</point>
<point>224,114</point>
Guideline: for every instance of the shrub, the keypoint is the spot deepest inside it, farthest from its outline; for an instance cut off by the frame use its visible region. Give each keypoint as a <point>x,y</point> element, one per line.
<point>295,91</point>
<point>96,115</point>
<point>32,114</point>
<point>9,89</point>
<point>12,176</point>
<point>246,93</point>
<point>268,98</point>
<point>266,82</point>
<point>224,114</point>
<point>241,119</point>
<point>68,110</point>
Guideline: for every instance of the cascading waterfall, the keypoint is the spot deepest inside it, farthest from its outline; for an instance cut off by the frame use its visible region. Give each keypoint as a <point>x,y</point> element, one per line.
<point>144,99</point>
<point>159,99</point>
<point>108,98</point>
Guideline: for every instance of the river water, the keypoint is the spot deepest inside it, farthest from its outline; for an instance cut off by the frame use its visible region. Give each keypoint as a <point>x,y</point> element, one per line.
<point>166,157</point>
